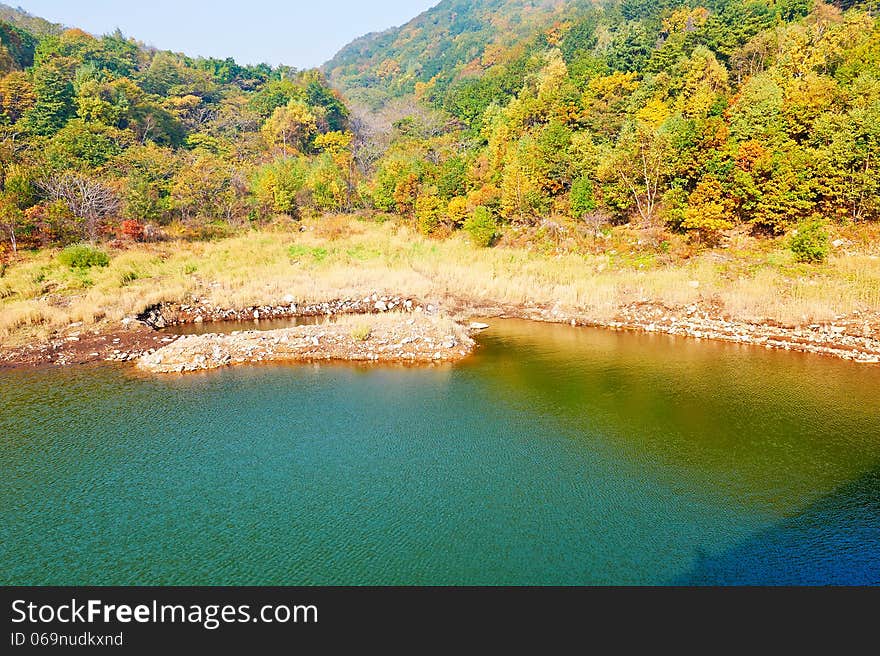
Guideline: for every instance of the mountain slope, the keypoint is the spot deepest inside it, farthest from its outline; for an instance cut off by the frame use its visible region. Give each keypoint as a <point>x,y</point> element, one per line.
<point>34,24</point>
<point>439,44</point>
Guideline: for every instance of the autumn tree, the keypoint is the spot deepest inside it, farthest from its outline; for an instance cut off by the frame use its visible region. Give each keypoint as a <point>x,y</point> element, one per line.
<point>17,96</point>
<point>53,88</point>
<point>276,186</point>
<point>290,127</point>
<point>205,188</point>
<point>707,213</point>
<point>640,164</point>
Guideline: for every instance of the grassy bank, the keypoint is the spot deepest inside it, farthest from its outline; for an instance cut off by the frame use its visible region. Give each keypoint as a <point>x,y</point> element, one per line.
<point>343,257</point>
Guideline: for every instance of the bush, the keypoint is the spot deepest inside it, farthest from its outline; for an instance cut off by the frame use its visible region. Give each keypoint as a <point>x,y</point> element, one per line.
<point>361,333</point>
<point>82,256</point>
<point>429,213</point>
<point>809,243</point>
<point>481,227</point>
<point>581,197</point>
<point>133,230</point>
<point>456,211</point>
<point>706,214</point>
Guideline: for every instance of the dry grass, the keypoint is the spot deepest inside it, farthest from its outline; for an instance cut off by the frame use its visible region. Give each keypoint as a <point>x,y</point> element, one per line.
<point>341,257</point>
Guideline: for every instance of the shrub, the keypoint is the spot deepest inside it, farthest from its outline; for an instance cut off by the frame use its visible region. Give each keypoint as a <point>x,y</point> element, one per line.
<point>457,211</point>
<point>361,333</point>
<point>581,197</point>
<point>706,213</point>
<point>481,227</point>
<point>134,230</point>
<point>809,243</point>
<point>82,256</point>
<point>429,213</point>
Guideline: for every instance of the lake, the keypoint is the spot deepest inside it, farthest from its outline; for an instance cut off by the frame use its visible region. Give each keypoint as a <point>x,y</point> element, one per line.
<point>554,455</point>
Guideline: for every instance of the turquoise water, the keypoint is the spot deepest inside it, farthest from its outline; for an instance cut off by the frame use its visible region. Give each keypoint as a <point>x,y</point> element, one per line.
<point>552,456</point>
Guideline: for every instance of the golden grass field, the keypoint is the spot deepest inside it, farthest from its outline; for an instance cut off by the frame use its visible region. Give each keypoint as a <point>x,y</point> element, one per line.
<point>338,257</point>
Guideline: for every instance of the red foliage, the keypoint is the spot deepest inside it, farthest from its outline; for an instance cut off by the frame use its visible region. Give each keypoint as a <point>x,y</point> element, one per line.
<point>133,230</point>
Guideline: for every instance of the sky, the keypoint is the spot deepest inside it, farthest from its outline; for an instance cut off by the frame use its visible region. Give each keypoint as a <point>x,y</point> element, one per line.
<point>295,33</point>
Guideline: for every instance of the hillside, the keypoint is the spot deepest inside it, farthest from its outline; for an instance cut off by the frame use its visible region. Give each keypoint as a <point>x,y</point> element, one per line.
<point>639,136</point>
<point>439,44</point>
<point>33,24</point>
<point>97,132</point>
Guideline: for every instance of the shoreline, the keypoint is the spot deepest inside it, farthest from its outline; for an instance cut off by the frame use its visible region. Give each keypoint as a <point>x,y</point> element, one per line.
<point>850,338</point>
<point>394,337</point>
<point>855,337</point>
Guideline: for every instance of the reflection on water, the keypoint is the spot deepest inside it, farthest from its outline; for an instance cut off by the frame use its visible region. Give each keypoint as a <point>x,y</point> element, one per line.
<point>554,455</point>
<point>766,428</point>
<point>226,327</point>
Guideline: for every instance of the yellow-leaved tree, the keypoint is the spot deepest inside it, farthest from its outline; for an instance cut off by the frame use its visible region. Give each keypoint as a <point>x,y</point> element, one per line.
<point>707,213</point>
<point>290,127</point>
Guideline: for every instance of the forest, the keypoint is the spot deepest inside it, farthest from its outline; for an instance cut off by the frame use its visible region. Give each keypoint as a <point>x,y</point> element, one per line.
<point>687,120</point>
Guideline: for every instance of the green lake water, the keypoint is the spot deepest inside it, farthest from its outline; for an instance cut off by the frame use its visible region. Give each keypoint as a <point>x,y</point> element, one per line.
<point>554,455</point>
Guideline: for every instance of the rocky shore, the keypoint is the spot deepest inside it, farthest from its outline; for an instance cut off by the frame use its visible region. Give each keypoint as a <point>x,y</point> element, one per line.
<point>416,338</point>
<point>854,337</point>
<point>201,311</point>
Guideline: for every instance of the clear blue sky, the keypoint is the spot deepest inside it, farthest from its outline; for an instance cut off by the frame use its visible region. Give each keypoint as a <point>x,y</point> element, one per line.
<point>292,32</point>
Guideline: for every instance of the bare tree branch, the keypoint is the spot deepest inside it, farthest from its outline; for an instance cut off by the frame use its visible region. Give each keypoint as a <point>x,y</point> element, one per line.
<point>89,199</point>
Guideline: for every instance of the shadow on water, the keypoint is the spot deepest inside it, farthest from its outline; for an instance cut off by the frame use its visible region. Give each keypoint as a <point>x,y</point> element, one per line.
<point>834,541</point>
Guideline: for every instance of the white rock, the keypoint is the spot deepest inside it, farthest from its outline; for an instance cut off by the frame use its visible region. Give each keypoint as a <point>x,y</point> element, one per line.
<point>476,325</point>
<point>380,306</point>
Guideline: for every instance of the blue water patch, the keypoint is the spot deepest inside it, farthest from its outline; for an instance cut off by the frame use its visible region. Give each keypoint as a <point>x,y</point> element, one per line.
<point>553,456</point>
